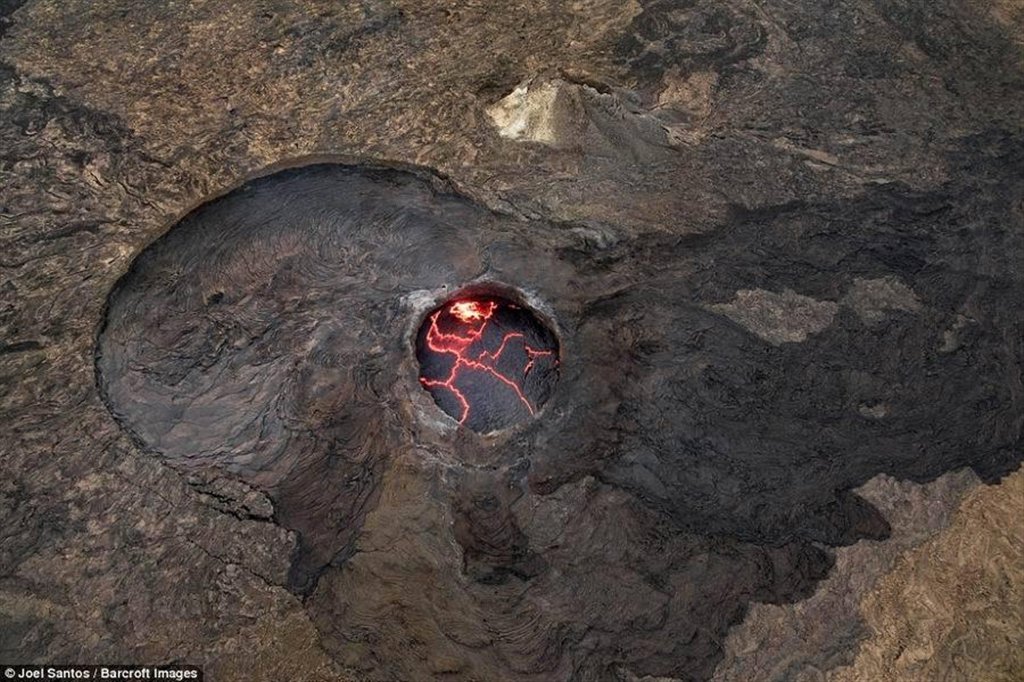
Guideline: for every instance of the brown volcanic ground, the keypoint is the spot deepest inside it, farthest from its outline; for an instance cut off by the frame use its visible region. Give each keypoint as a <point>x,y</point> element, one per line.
<point>783,248</point>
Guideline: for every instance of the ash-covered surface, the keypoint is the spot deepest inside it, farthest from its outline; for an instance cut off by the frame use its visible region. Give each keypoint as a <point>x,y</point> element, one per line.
<point>268,336</point>
<point>781,242</point>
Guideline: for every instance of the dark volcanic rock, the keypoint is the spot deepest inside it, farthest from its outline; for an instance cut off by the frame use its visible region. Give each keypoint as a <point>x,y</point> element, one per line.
<point>272,334</point>
<point>781,245</point>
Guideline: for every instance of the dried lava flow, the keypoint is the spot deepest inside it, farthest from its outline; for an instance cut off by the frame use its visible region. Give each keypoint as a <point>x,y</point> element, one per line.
<point>686,468</point>
<point>487,361</point>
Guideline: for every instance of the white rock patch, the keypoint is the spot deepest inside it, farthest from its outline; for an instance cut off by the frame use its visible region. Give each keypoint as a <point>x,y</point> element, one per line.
<point>871,299</point>
<point>528,113</point>
<point>778,318</point>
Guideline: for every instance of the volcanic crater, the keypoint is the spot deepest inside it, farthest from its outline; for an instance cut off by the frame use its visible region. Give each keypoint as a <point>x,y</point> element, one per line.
<point>263,337</point>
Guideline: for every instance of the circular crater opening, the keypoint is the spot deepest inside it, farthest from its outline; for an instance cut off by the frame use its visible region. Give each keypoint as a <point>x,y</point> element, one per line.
<point>489,362</point>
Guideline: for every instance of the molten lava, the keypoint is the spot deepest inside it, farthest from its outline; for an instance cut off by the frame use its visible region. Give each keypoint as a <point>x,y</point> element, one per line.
<point>487,361</point>
<point>472,311</point>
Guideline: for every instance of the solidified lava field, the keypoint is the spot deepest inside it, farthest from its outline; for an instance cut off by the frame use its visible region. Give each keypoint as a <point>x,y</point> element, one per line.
<point>591,341</point>
<point>682,468</point>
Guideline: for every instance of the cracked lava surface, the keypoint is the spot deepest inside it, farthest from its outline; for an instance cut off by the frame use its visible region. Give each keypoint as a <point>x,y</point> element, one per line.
<point>488,362</point>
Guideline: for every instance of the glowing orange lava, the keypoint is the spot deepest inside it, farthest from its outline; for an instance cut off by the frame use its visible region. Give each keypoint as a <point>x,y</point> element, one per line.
<point>459,329</point>
<point>471,311</point>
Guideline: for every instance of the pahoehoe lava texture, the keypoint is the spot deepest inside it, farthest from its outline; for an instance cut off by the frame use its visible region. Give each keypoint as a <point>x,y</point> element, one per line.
<point>683,467</point>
